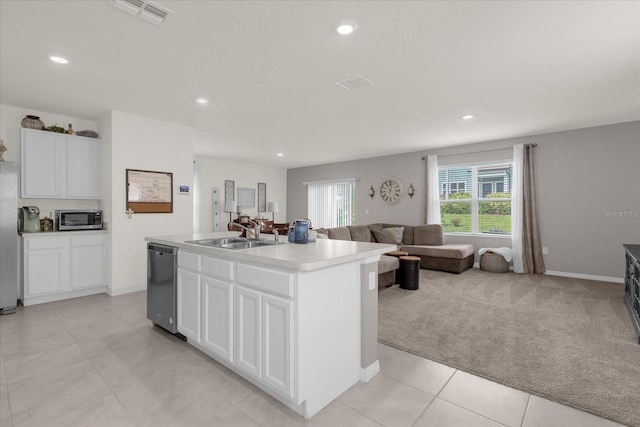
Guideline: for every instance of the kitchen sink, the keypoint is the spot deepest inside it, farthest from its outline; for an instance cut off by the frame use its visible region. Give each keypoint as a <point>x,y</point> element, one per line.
<point>217,242</point>
<point>247,244</point>
<point>231,243</point>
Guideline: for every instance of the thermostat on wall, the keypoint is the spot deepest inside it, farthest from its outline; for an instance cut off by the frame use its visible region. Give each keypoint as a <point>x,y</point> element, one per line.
<point>184,189</point>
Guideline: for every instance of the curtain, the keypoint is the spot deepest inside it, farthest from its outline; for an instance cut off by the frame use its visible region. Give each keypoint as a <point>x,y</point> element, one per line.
<point>525,236</point>
<point>516,208</point>
<point>433,192</point>
<point>532,259</point>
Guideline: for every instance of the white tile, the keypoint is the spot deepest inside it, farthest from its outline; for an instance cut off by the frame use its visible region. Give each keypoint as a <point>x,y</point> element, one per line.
<point>495,401</point>
<point>266,411</point>
<point>418,372</point>
<point>545,413</point>
<point>35,391</point>
<point>80,405</point>
<point>337,414</point>
<point>387,401</point>
<point>41,363</point>
<point>444,414</point>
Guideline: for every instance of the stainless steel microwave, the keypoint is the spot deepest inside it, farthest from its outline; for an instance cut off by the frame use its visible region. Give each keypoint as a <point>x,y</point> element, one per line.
<point>68,220</point>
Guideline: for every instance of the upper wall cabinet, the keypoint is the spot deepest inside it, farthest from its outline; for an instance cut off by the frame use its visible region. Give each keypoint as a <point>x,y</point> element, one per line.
<point>59,166</point>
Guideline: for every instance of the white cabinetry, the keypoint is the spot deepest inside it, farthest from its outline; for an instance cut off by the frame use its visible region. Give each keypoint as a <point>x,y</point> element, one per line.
<point>217,308</point>
<point>248,331</point>
<point>46,266</point>
<point>189,296</point>
<point>264,326</point>
<point>277,347</point>
<point>55,165</point>
<point>62,265</point>
<point>241,315</point>
<point>87,261</point>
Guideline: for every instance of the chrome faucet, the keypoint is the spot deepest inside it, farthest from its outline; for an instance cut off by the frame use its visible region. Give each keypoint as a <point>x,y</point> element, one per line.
<point>277,234</point>
<point>255,230</point>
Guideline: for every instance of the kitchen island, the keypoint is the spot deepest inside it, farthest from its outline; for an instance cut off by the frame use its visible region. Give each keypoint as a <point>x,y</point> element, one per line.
<point>298,321</point>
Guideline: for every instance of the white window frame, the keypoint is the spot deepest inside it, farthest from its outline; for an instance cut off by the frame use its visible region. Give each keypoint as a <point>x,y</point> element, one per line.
<point>475,199</point>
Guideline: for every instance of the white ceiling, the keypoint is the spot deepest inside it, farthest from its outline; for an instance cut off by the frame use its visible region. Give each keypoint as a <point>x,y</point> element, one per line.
<point>269,69</point>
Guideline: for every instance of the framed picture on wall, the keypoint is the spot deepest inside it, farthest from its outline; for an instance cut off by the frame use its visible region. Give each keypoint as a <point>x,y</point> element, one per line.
<point>246,198</point>
<point>262,197</point>
<point>229,191</point>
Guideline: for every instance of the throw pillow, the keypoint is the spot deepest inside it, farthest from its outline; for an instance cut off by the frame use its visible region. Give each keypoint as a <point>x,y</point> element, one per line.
<point>391,235</point>
<point>397,232</point>
<point>321,236</point>
<point>384,236</point>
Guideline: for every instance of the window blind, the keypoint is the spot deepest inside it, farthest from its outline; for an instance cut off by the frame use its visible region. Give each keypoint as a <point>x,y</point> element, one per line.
<point>331,204</point>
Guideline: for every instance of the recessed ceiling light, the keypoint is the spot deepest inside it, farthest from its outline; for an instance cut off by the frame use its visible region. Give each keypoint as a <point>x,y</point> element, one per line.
<point>468,117</point>
<point>280,154</point>
<point>59,59</point>
<point>347,27</point>
<point>202,101</point>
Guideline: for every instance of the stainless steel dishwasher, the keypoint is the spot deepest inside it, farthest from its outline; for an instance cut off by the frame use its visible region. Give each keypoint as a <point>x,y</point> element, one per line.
<point>162,265</point>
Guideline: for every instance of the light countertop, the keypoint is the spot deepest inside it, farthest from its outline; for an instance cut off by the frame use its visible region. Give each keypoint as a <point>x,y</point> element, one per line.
<point>62,233</point>
<point>302,257</point>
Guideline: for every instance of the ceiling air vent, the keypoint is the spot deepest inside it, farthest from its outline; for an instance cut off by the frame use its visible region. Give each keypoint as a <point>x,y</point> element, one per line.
<point>353,83</point>
<point>144,9</point>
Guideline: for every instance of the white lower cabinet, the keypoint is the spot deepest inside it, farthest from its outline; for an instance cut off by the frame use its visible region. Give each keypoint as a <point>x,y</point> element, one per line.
<point>249,331</point>
<point>217,317</point>
<point>277,347</point>
<point>87,261</point>
<point>241,315</point>
<point>189,304</point>
<point>47,270</point>
<point>62,265</point>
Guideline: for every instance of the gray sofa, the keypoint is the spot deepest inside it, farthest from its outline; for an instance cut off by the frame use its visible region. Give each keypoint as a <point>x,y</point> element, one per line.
<point>424,241</point>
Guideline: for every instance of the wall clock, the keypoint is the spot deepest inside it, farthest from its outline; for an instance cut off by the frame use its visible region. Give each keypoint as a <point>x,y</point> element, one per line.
<point>391,190</point>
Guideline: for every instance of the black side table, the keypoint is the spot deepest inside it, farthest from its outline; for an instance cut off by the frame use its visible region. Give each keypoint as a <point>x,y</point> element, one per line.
<point>409,272</point>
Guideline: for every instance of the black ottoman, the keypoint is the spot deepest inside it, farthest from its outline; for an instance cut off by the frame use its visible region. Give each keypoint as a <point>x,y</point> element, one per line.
<point>409,272</point>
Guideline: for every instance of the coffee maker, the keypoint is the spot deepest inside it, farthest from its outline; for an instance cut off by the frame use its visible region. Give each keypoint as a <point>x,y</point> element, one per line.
<point>29,219</point>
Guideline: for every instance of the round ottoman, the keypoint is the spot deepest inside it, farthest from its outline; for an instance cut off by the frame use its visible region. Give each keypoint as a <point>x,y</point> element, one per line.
<point>493,263</point>
<point>397,254</point>
<point>409,272</point>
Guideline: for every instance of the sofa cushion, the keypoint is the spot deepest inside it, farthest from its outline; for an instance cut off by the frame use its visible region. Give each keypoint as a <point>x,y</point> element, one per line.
<point>376,226</point>
<point>431,234</point>
<point>455,251</point>
<point>339,233</point>
<point>385,236</point>
<point>321,231</point>
<point>359,233</point>
<point>407,237</point>
<point>388,263</point>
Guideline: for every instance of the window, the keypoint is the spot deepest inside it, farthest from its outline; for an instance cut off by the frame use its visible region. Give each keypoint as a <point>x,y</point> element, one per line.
<point>476,199</point>
<point>332,204</point>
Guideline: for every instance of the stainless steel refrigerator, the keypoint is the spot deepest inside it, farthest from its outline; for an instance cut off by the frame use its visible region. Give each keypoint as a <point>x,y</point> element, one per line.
<point>8,237</point>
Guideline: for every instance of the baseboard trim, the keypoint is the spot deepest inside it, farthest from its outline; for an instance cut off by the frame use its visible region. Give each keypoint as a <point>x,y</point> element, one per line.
<point>127,290</point>
<point>369,372</point>
<point>574,275</point>
<point>585,276</point>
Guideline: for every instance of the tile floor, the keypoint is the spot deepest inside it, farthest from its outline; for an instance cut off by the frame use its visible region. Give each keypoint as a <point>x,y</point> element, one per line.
<point>95,361</point>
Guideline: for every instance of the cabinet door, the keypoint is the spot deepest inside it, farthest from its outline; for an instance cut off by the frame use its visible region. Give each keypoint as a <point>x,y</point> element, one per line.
<point>248,331</point>
<point>277,320</point>
<point>46,271</point>
<point>189,304</point>
<point>87,267</point>
<point>84,168</point>
<point>43,162</point>
<point>217,317</point>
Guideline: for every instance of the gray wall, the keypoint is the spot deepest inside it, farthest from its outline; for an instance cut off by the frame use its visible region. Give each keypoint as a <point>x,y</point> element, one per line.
<point>588,186</point>
<point>409,167</point>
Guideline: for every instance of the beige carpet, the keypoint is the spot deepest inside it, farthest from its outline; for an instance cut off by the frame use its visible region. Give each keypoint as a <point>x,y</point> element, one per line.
<point>568,340</point>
